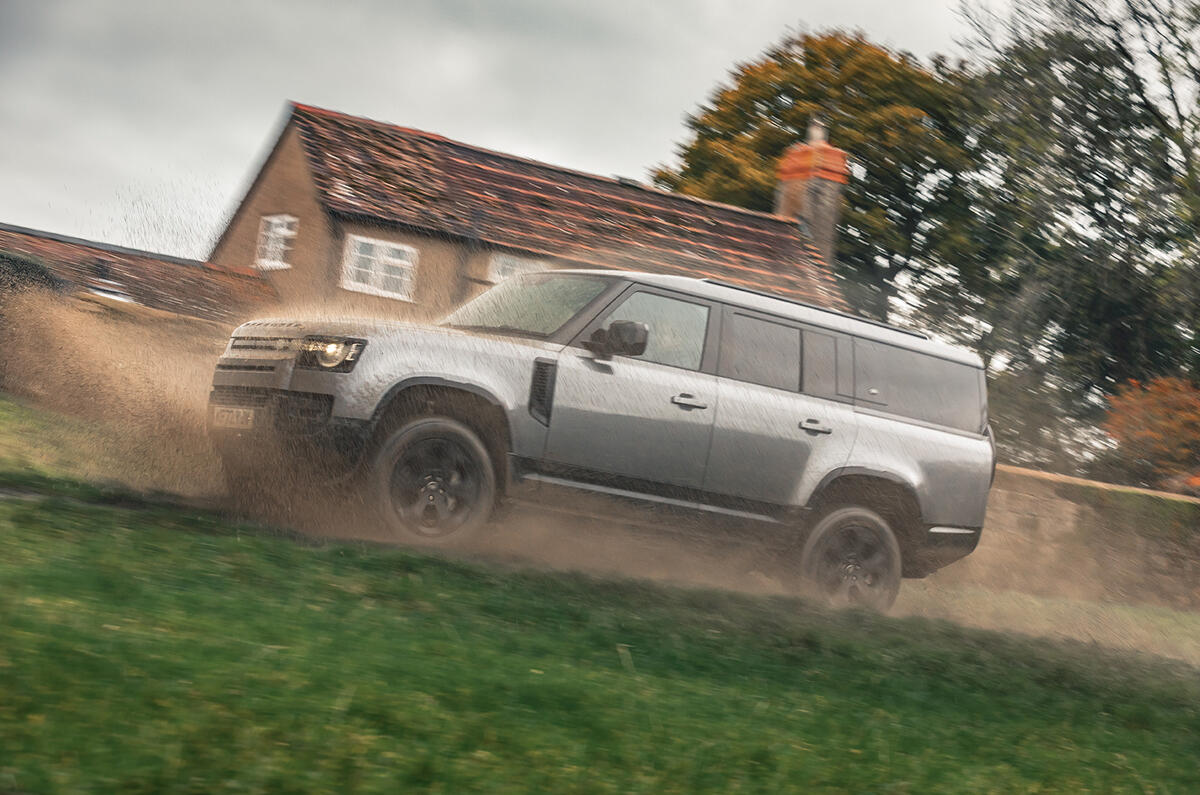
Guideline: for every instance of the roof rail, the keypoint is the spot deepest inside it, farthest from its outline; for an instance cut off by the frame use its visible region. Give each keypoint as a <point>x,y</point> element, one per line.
<point>827,310</point>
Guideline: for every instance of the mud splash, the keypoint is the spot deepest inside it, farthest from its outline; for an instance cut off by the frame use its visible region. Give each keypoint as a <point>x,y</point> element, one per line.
<point>137,380</point>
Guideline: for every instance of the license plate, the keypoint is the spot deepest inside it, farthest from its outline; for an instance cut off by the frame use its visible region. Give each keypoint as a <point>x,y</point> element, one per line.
<point>228,417</point>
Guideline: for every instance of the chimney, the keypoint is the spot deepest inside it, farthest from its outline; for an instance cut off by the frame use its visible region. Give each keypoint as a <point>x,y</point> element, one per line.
<point>811,176</point>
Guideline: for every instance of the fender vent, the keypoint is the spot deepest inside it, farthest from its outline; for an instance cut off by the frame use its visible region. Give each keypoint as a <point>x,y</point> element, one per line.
<point>541,390</point>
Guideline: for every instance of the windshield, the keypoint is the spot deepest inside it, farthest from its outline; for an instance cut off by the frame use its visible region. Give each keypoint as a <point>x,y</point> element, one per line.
<point>535,305</point>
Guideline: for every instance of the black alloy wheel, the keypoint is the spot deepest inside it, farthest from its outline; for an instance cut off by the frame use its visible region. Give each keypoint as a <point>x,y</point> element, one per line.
<point>435,481</point>
<point>852,559</point>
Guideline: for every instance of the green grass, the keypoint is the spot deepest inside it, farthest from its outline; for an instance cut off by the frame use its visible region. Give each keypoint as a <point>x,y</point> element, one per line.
<point>1115,625</point>
<point>56,453</point>
<point>153,650</point>
<point>38,443</point>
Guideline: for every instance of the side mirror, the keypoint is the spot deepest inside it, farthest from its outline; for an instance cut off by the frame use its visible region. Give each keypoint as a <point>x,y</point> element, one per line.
<point>628,337</point>
<point>624,337</point>
<point>597,344</point>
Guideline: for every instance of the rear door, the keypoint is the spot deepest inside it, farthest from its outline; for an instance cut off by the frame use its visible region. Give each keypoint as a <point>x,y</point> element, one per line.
<point>646,420</point>
<point>780,417</point>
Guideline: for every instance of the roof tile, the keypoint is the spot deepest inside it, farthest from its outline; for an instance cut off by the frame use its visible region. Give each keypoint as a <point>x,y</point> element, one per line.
<point>373,170</point>
<point>188,287</point>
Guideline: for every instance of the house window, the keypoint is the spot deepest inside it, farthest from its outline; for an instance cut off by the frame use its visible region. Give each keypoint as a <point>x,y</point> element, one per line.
<point>379,267</point>
<point>502,266</point>
<point>276,233</point>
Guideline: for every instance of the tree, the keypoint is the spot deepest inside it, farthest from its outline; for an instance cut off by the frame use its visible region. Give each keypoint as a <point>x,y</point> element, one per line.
<point>1084,233</point>
<point>1079,204</point>
<point>1154,46</point>
<point>1091,131</point>
<point>1038,203</point>
<point>901,122</point>
<point>1157,427</point>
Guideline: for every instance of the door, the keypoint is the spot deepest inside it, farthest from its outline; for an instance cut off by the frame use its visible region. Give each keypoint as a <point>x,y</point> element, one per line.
<point>646,417</point>
<point>768,435</point>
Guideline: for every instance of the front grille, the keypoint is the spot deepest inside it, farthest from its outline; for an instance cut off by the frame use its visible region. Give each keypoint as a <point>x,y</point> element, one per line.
<point>246,368</point>
<point>260,343</point>
<point>245,396</point>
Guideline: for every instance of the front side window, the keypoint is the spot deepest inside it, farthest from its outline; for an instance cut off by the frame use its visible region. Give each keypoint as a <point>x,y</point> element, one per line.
<point>677,328</point>
<point>379,267</point>
<point>536,305</point>
<point>276,236</point>
<point>760,352</point>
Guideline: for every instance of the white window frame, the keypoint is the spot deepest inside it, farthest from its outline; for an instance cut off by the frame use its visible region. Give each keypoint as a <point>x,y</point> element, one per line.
<point>502,266</point>
<point>348,254</point>
<point>269,225</point>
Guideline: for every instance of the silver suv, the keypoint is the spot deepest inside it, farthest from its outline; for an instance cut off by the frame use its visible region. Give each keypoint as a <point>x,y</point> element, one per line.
<point>864,448</point>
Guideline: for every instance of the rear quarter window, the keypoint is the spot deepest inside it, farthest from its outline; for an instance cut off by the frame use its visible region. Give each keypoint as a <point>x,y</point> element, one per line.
<point>917,386</point>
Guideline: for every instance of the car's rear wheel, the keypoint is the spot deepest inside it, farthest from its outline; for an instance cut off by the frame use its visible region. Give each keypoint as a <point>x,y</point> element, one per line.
<point>433,482</point>
<point>852,558</point>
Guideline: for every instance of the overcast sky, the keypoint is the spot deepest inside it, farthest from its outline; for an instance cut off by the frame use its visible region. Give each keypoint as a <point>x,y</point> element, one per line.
<point>140,122</point>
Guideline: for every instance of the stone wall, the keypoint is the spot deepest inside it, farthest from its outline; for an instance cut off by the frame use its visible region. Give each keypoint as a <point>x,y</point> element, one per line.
<point>1054,535</point>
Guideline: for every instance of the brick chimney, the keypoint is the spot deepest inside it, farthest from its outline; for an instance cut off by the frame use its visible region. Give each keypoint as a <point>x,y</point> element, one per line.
<point>811,176</point>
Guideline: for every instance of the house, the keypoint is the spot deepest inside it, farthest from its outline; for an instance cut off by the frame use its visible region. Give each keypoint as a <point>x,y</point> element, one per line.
<point>350,213</point>
<point>173,284</point>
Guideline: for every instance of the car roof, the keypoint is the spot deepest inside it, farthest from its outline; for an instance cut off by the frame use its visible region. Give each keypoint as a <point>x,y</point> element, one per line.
<point>810,314</point>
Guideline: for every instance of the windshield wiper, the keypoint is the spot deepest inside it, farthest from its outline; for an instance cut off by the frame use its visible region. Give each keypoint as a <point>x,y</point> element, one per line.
<point>511,331</point>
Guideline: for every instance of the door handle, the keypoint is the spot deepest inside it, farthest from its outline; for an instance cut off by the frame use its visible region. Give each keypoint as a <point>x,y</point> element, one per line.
<point>686,401</point>
<point>814,426</point>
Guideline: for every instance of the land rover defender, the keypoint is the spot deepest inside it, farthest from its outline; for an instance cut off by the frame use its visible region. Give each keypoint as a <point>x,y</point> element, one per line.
<point>866,445</point>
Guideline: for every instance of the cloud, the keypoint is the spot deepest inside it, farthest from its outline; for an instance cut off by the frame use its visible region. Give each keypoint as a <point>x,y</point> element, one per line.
<point>107,102</point>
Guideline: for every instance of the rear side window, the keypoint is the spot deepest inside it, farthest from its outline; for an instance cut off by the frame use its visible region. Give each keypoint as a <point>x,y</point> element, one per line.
<point>760,352</point>
<point>917,386</point>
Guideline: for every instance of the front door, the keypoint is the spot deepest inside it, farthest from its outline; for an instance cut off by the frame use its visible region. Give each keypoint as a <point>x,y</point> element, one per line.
<point>646,418</point>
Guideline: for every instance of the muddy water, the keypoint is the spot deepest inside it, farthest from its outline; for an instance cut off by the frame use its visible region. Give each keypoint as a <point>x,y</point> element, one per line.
<point>137,381</point>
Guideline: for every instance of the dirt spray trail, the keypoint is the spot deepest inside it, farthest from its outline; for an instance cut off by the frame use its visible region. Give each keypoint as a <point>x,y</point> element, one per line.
<point>139,378</point>
<point>138,382</point>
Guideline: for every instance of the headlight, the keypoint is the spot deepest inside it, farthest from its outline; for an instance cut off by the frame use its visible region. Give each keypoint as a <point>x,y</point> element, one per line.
<point>334,354</point>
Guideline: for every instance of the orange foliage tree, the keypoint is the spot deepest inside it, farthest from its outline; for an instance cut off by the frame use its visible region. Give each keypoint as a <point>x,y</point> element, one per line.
<point>1158,423</point>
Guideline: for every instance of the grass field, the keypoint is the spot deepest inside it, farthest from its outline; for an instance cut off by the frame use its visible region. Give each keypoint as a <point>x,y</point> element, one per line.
<point>153,650</point>
<point>46,450</point>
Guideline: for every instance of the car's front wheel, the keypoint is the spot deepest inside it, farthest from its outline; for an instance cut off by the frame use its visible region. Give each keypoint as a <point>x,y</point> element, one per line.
<point>433,481</point>
<point>852,558</point>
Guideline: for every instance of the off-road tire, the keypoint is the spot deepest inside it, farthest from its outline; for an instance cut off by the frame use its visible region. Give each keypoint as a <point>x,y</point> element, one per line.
<point>432,482</point>
<point>851,559</point>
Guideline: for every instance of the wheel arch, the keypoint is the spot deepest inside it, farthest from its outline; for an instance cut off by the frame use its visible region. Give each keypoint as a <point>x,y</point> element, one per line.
<point>890,495</point>
<point>475,406</point>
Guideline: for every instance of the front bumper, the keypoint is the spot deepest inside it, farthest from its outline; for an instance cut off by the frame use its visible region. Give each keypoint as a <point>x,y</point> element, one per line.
<point>283,428</point>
